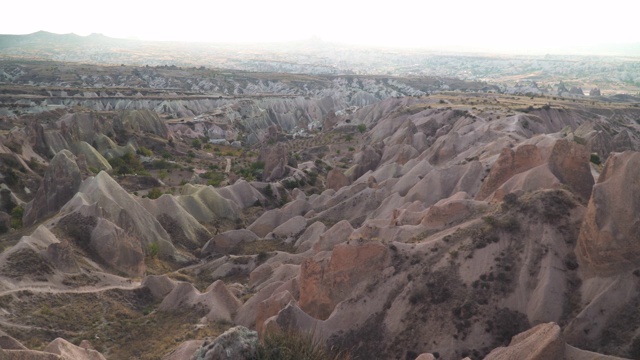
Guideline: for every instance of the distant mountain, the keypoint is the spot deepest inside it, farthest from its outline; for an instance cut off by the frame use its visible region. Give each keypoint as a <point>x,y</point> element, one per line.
<point>613,68</point>
<point>48,39</point>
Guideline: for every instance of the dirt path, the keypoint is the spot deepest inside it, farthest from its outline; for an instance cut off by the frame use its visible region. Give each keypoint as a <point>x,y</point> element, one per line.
<point>228,168</point>
<point>82,290</point>
<point>8,324</point>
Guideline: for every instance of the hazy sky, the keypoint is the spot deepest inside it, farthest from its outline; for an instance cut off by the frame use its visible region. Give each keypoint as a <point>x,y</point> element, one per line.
<point>482,24</point>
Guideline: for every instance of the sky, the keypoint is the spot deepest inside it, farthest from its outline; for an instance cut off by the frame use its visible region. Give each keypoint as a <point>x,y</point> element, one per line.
<point>538,25</point>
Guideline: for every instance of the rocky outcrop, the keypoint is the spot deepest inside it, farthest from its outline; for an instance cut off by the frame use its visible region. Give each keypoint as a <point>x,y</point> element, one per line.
<point>609,238</point>
<point>336,180</point>
<point>539,343</point>
<point>547,164</point>
<point>217,302</point>
<point>118,248</point>
<point>237,343</point>
<point>543,342</point>
<point>93,158</point>
<point>273,218</point>
<point>289,229</point>
<point>576,91</point>
<point>594,92</point>
<point>60,183</point>
<point>69,351</point>
<point>159,285</point>
<point>242,193</point>
<point>58,349</point>
<point>184,351</point>
<point>366,160</point>
<point>326,282</point>
<point>205,204</point>
<point>142,121</point>
<point>61,256</point>
<point>181,226</point>
<point>275,159</point>
<point>103,197</point>
<point>228,241</point>
<point>271,307</point>
<point>9,343</point>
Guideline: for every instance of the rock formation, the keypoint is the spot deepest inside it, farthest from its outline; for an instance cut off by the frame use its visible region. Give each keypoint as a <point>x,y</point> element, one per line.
<point>609,235</point>
<point>336,180</point>
<point>236,343</point>
<point>60,183</point>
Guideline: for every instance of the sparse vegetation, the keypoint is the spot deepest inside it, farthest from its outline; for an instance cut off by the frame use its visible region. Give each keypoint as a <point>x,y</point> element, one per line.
<point>153,250</point>
<point>293,345</point>
<point>16,217</point>
<point>154,193</point>
<point>127,164</point>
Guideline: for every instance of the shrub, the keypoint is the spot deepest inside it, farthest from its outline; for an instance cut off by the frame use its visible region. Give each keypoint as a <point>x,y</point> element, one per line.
<point>290,183</point>
<point>126,164</point>
<point>214,178</point>
<point>144,151</point>
<point>154,193</point>
<point>153,250</point>
<point>292,345</point>
<point>166,154</point>
<point>16,217</point>
<point>362,128</point>
<point>10,178</point>
<point>595,159</point>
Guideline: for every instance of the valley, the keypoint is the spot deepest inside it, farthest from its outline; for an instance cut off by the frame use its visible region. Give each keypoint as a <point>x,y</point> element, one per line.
<point>147,210</point>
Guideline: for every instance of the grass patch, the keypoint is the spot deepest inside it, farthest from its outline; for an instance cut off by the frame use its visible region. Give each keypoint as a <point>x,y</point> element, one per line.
<point>120,324</point>
<point>294,346</point>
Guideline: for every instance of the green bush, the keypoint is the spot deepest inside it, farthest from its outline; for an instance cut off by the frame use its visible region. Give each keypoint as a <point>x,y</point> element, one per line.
<point>144,151</point>
<point>290,183</point>
<point>214,178</point>
<point>16,217</point>
<point>362,128</point>
<point>154,193</point>
<point>126,164</point>
<point>153,250</point>
<point>162,164</point>
<point>595,159</point>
